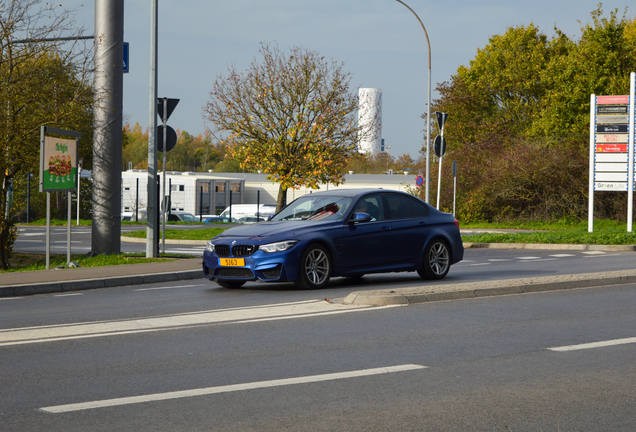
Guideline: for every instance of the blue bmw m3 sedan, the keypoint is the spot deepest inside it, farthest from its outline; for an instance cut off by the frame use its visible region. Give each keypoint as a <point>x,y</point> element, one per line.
<point>337,233</point>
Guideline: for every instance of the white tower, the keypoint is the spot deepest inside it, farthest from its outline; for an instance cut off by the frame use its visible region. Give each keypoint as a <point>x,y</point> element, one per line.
<point>370,120</point>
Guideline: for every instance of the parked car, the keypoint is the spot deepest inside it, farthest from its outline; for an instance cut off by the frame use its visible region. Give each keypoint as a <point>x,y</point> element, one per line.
<point>239,211</point>
<point>216,219</point>
<point>337,233</point>
<point>181,216</point>
<point>251,220</point>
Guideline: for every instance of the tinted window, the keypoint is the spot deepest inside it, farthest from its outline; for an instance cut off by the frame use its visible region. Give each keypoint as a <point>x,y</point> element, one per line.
<point>371,204</point>
<point>399,206</point>
<point>419,208</point>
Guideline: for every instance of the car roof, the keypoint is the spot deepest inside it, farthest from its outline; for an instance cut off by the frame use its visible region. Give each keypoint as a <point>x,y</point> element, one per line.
<point>353,192</point>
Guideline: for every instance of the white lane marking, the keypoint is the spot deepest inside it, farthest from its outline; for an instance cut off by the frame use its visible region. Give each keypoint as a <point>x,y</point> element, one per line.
<point>527,258</point>
<point>500,260</point>
<point>542,259</point>
<point>478,264</point>
<point>68,295</point>
<point>229,388</point>
<point>52,333</point>
<point>11,298</point>
<point>594,345</point>
<point>562,255</point>
<point>170,287</point>
<point>594,253</point>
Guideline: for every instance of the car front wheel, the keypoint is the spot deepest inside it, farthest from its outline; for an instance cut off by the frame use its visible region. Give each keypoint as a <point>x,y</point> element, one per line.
<point>315,268</point>
<point>436,261</point>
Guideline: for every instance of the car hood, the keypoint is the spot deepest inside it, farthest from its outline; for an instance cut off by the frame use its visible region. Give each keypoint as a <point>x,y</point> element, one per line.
<point>266,230</point>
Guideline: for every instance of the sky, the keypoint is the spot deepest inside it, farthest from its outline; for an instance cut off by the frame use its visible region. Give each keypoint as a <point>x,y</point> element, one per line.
<point>380,42</point>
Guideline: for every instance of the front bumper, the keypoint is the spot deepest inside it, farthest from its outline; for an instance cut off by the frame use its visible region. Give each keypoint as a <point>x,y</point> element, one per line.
<point>267,267</point>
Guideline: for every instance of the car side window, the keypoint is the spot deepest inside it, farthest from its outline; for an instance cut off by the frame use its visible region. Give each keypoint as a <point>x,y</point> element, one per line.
<point>399,207</point>
<point>419,208</point>
<point>371,204</point>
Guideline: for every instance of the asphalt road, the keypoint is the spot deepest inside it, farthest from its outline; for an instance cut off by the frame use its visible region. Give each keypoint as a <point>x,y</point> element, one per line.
<point>191,356</point>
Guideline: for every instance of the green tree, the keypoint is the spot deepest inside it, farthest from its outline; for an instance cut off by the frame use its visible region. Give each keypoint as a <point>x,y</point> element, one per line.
<point>291,116</point>
<point>520,119</point>
<point>41,83</point>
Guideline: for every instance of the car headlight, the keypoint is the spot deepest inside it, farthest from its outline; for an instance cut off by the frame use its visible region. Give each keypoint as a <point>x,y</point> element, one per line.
<point>210,246</point>
<point>278,246</point>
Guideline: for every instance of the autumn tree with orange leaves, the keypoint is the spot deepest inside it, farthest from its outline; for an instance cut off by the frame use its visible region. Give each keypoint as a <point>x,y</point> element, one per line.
<point>290,116</point>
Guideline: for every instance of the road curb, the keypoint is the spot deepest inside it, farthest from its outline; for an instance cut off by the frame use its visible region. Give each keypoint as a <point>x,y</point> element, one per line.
<point>414,295</point>
<point>109,282</point>
<point>551,246</point>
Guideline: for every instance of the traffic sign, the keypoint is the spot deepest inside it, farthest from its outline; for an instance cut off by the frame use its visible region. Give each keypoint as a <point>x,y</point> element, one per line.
<point>171,105</point>
<point>441,119</point>
<point>440,146</point>
<point>614,128</point>
<point>126,55</point>
<point>419,180</point>
<point>171,138</point>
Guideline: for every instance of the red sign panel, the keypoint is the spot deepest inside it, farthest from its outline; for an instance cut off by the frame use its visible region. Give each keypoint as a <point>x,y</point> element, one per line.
<point>611,148</point>
<point>612,100</point>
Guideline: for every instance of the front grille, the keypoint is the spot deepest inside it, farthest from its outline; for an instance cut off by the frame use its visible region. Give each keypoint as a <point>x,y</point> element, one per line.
<point>243,250</point>
<point>222,250</point>
<point>240,272</point>
<point>237,251</point>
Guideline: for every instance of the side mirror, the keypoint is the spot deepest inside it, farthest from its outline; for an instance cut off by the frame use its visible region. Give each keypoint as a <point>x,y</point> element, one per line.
<point>360,217</point>
<point>270,217</point>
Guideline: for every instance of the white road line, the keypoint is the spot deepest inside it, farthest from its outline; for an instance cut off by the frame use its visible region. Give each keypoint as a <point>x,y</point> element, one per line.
<point>478,264</point>
<point>562,255</point>
<point>170,287</point>
<point>500,260</point>
<point>594,253</point>
<point>68,295</point>
<point>72,331</point>
<point>528,258</point>
<point>594,345</point>
<point>542,259</point>
<point>229,388</point>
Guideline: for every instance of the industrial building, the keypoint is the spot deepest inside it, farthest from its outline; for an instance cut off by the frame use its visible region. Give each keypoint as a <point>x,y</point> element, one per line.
<point>210,193</point>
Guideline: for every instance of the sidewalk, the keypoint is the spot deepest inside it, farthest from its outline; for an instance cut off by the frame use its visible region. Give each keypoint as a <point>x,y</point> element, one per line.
<point>74,279</point>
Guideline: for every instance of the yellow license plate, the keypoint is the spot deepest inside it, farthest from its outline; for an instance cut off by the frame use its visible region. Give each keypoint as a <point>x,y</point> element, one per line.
<point>231,262</point>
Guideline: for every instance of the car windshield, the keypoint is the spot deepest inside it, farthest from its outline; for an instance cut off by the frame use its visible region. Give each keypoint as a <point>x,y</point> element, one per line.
<point>314,208</point>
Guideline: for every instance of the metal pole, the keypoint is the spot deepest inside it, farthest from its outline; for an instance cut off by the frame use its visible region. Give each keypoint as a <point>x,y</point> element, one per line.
<point>152,238</point>
<point>137,202</point>
<point>201,205</point>
<point>590,203</point>
<point>163,185</point>
<point>48,230</point>
<point>630,147</point>
<point>107,142</point>
<point>28,198</point>
<point>428,108</point>
<point>79,172</point>
<point>439,181</point>
<point>68,229</point>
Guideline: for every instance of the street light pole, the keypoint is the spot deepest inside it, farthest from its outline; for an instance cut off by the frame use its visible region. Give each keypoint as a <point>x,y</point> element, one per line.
<point>428,108</point>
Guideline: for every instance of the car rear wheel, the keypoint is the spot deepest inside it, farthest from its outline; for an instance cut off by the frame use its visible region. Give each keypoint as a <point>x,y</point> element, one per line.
<point>315,268</point>
<point>436,261</point>
<point>230,284</point>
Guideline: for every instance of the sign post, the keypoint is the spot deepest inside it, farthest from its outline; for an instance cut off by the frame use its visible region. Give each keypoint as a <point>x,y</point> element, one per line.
<point>440,148</point>
<point>165,107</point>
<point>58,172</point>
<point>612,148</point>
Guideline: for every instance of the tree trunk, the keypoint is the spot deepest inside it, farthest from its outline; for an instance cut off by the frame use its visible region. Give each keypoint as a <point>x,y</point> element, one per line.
<point>282,198</point>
